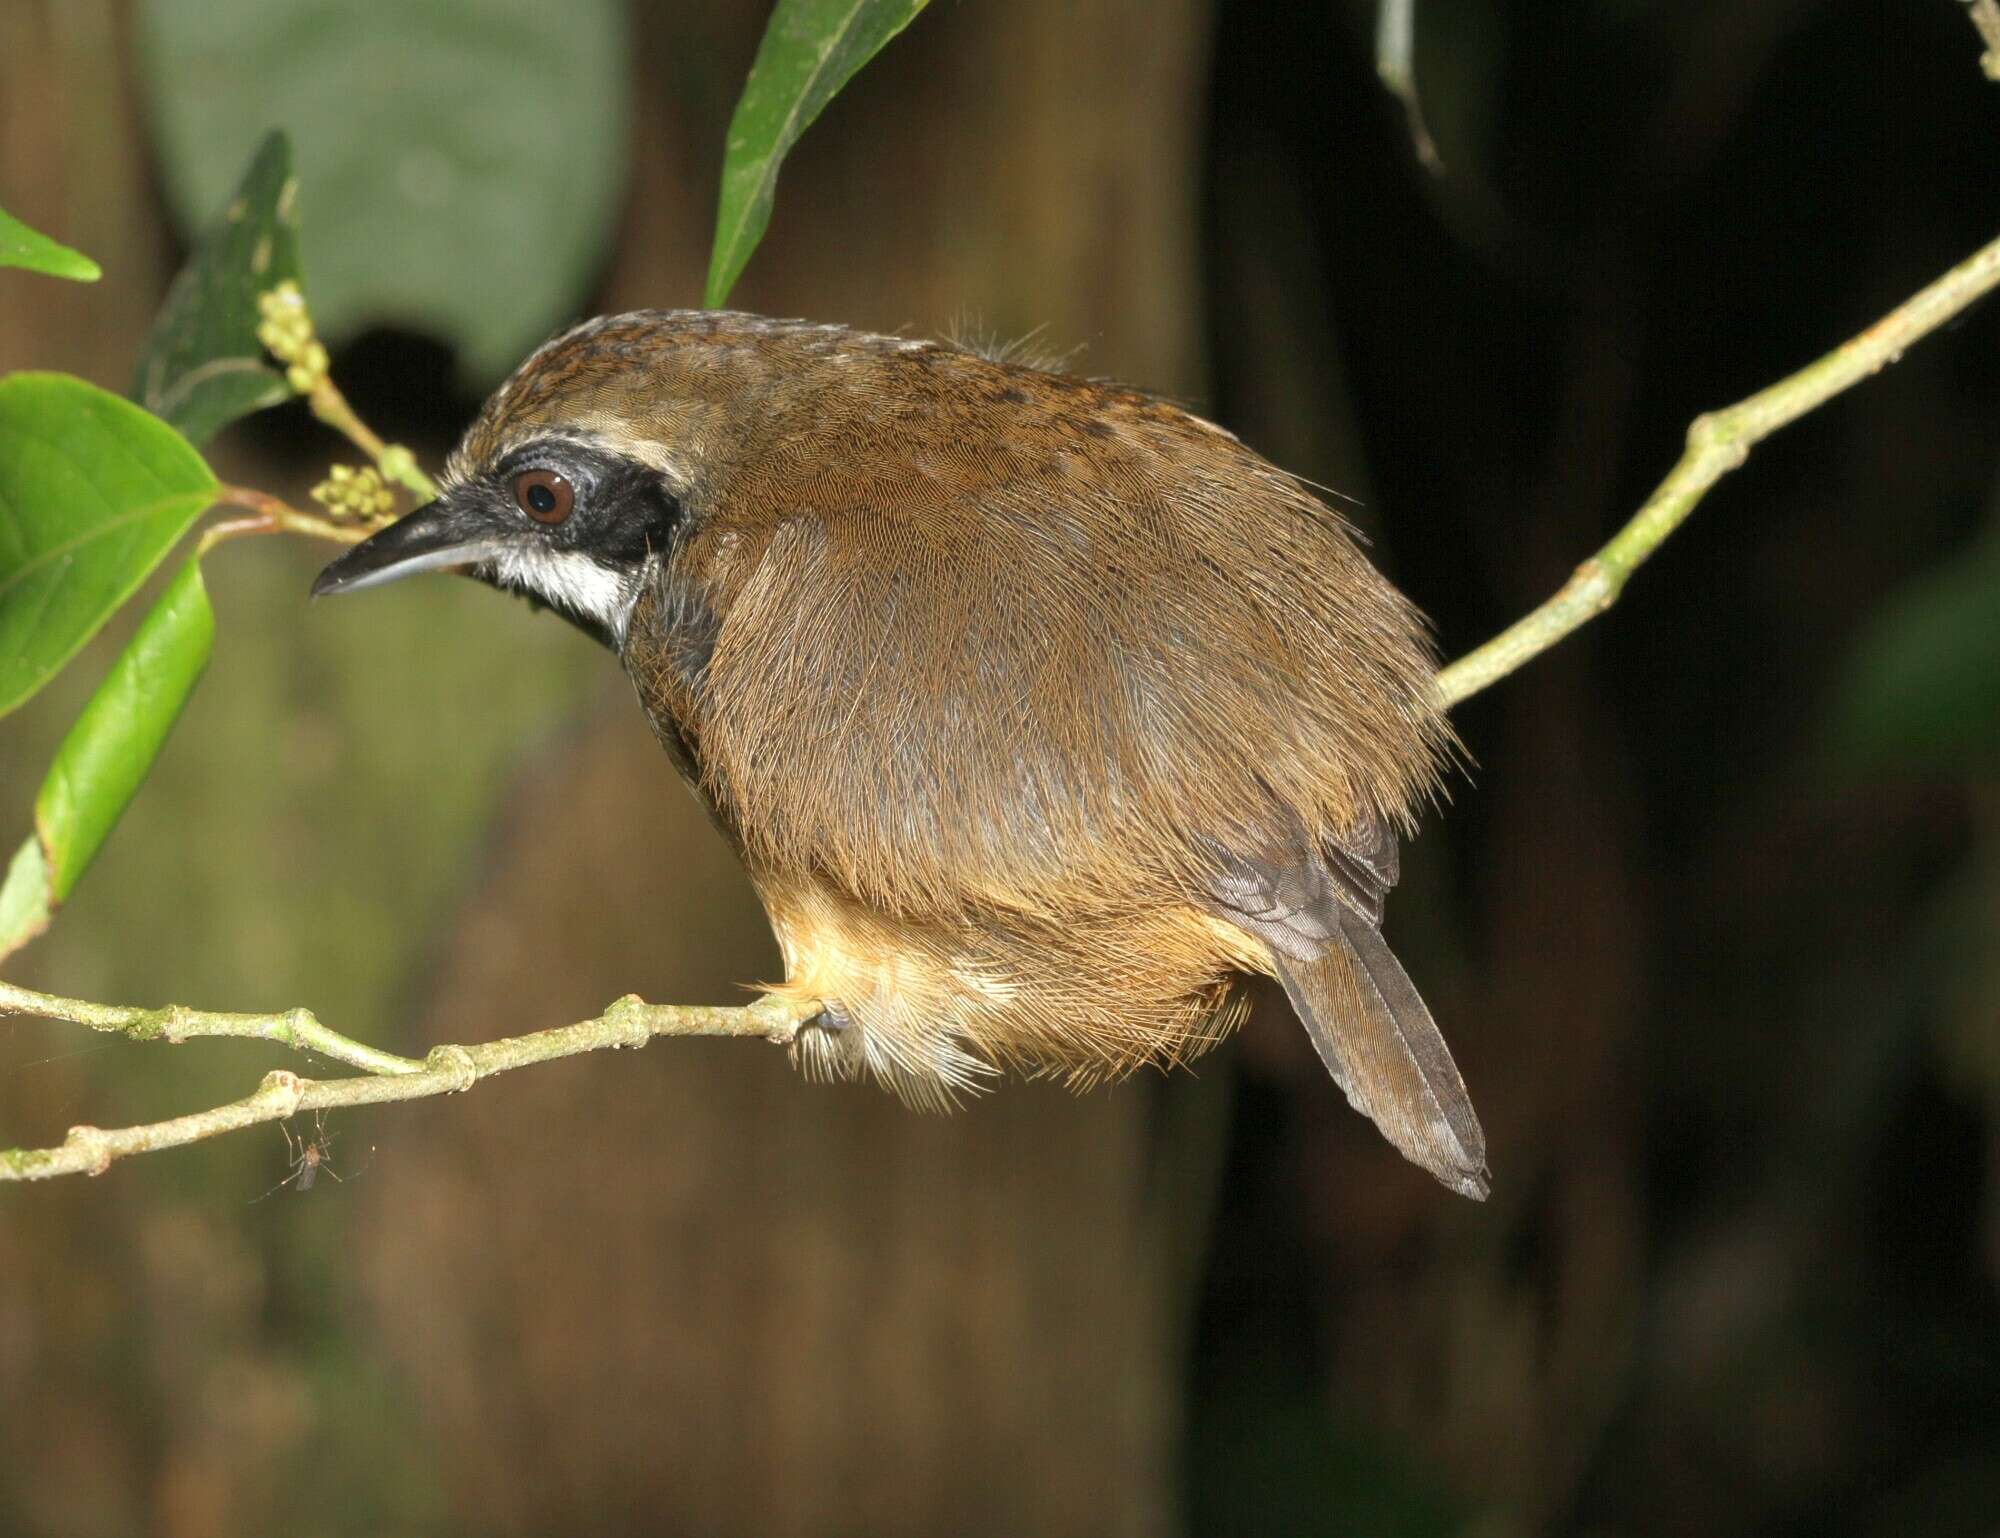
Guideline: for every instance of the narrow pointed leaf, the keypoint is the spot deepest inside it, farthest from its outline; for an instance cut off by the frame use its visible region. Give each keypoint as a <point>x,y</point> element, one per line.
<point>108,752</point>
<point>202,366</point>
<point>21,246</point>
<point>93,493</point>
<point>26,903</point>
<point>811,49</point>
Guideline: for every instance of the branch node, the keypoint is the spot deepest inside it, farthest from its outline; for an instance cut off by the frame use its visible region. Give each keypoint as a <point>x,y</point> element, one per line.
<point>91,1140</point>
<point>450,1058</point>
<point>1720,435</point>
<point>293,1025</point>
<point>629,1015</point>
<point>284,1086</point>
<point>1593,585</point>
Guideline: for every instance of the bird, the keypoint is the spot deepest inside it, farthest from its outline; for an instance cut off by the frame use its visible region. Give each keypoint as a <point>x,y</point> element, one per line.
<point>1042,713</point>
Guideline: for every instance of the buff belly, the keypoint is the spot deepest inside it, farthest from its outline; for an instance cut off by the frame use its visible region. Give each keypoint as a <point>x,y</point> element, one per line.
<point>935,1011</point>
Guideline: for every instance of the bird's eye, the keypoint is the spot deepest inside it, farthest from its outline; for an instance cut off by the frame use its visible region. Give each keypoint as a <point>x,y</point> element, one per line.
<point>544,495</point>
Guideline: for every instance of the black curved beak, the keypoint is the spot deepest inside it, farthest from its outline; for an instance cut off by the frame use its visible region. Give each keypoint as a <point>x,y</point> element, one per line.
<point>435,536</point>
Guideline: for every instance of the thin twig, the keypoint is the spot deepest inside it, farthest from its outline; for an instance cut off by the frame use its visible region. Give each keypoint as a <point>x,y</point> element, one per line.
<point>1718,442</point>
<point>286,330</point>
<point>394,461</point>
<point>273,515</point>
<point>1985,16</point>
<point>232,528</point>
<point>445,1070</point>
<point>176,1023</point>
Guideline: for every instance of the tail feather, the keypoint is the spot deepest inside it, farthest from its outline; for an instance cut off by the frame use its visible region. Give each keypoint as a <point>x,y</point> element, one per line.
<point>1379,1042</point>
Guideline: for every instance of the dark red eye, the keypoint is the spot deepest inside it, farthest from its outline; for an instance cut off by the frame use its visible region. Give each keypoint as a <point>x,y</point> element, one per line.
<point>544,495</point>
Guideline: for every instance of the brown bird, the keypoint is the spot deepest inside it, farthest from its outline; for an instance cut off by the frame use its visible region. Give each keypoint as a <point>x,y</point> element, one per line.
<point>1040,710</point>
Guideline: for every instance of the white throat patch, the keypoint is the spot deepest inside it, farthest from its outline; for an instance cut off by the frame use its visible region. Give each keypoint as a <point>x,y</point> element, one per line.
<point>569,579</point>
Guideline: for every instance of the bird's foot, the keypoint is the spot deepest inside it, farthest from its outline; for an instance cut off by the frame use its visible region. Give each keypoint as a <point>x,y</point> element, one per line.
<point>826,1044</point>
<point>831,1018</point>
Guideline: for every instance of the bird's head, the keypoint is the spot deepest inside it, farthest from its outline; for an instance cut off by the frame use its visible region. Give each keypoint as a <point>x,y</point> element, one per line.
<point>584,469</point>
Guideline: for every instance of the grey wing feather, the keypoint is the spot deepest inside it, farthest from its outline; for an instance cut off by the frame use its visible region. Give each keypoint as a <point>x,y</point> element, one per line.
<point>1290,905</point>
<point>1369,861</point>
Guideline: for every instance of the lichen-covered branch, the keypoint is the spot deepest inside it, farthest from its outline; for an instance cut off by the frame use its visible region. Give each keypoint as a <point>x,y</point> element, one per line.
<point>1718,442</point>
<point>175,1023</point>
<point>444,1070</point>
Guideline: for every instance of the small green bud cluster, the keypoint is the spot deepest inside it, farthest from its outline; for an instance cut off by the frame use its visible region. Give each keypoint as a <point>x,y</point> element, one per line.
<point>287,330</point>
<point>355,495</point>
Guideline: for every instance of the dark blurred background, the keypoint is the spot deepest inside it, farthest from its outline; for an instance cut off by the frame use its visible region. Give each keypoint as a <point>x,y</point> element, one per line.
<point>1711,920</point>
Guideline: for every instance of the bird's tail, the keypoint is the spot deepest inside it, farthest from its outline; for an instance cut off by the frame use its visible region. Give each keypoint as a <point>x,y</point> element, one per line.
<point>1384,1051</point>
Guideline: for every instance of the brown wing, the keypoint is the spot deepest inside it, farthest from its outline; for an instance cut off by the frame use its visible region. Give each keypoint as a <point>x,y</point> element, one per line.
<point>1012,637</point>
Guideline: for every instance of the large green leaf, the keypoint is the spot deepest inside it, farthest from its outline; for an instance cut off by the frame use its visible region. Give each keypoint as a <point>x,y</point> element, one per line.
<point>462,159</point>
<point>1922,691</point>
<point>93,493</point>
<point>811,48</point>
<point>106,755</point>
<point>202,366</point>
<point>23,247</point>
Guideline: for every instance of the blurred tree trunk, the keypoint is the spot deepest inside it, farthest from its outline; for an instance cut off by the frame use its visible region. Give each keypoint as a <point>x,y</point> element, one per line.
<point>73,163</point>
<point>687,1291</point>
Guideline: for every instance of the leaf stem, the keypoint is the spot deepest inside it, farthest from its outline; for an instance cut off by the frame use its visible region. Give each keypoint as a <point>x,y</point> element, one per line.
<point>273,515</point>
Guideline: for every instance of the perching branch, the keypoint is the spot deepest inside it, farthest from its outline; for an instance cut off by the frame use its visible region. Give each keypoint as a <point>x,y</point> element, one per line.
<point>1718,442</point>
<point>444,1070</point>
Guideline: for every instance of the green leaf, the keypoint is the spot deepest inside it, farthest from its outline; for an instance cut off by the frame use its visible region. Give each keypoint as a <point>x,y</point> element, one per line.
<point>202,366</point>
<point>811,49</point>
<point>1922,691</point>
<point>107,753</point>
<point>462,160</point>
<point>26,904</point>
<point>93,493</point>
<point>23,247</point>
